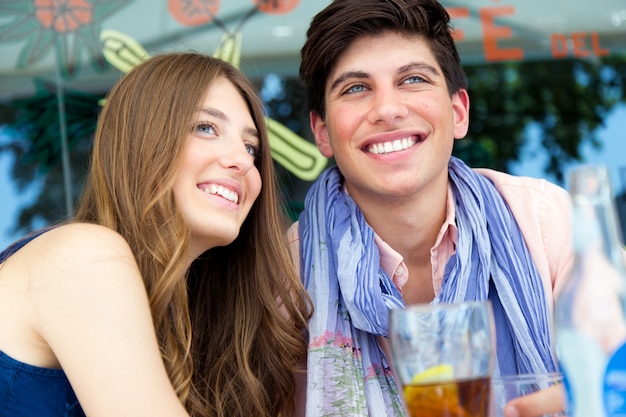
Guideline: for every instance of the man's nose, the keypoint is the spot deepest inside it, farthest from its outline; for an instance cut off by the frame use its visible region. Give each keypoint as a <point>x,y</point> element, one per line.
<point>388,105</point>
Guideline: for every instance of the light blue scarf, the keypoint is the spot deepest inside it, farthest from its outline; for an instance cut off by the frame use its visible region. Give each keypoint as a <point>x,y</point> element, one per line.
<point>348,374</point>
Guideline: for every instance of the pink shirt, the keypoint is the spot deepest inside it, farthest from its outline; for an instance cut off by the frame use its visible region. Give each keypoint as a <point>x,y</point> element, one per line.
<point>542,211</point>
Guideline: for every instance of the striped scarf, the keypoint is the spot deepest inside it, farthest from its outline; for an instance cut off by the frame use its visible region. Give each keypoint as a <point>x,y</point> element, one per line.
<point>348,373</point>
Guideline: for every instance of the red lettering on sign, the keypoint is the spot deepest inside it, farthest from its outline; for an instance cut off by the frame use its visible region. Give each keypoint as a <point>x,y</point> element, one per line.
<point>595,43</point>
<point>577,42</point>
<point>579,46</point>
<point>559,45</point>
<point>492,33</point>
<point>458,13</point>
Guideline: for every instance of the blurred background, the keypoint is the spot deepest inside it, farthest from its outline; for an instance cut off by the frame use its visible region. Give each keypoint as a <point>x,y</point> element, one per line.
<point>547,82</point>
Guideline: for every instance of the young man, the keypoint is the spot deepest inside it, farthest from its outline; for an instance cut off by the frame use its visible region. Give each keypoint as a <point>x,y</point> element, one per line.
<point>399,221</point>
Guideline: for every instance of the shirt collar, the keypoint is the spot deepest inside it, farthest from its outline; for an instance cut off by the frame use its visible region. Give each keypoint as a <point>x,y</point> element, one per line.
<point>393,264</point>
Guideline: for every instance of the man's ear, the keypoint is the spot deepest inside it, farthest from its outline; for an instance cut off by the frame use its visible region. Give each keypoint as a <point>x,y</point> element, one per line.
<point>460,107</point>
<point>318,127</point>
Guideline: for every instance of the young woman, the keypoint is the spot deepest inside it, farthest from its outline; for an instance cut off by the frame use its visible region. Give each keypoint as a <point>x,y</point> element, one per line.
<point>171,293</point>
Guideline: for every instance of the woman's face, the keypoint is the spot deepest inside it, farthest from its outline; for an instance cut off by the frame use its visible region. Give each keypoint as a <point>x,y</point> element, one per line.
<point>218,182</point>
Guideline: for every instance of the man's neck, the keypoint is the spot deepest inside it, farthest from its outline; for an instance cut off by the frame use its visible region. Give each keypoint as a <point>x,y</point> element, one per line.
<point>410,227</point>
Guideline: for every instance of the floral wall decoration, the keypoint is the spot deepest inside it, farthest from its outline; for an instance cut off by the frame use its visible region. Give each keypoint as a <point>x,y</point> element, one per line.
<point>193,12</point>
<point>70,28</point>
<point>276,6</point>
<point>198,12</point>
<point>67,27</point>
<point>297,155</point>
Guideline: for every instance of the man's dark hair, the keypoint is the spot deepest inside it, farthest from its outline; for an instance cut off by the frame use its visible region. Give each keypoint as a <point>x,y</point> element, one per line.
<point>343,21</point>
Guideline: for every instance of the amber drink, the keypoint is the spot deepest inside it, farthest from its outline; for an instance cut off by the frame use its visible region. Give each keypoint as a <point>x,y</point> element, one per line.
<point>468,398</point>
<point>443,355</point>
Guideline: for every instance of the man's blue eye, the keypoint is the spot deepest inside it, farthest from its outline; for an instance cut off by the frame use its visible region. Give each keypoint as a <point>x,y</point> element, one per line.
<point>355,89</point>
<point>414,79</point>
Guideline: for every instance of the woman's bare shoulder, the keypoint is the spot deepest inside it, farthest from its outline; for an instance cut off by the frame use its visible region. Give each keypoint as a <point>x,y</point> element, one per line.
<point>77,242</point>
<point>71,252</point>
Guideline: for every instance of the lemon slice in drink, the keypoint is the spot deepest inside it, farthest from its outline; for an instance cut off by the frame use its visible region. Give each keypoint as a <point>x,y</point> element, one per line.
<point>438,373</point>
<point>433,392</point>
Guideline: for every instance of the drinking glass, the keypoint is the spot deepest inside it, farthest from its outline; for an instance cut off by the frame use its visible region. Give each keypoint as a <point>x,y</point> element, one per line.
<point>443,355</point>
<point>510,387</point>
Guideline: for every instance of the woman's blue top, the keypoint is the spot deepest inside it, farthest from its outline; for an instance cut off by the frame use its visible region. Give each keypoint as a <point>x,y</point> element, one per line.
<point>30,391</point>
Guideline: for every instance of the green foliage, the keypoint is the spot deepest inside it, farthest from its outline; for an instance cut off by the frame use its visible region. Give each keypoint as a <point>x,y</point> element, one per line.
<point>38,117</point>
<point>566,99</point>
<point>36,150</point>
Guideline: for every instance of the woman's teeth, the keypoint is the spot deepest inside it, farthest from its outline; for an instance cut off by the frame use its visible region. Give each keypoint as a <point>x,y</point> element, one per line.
<point>222,191</point>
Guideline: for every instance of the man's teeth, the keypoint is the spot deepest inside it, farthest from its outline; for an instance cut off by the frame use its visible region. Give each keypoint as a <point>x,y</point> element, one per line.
<point>393,146</point>
<point>220,190</point>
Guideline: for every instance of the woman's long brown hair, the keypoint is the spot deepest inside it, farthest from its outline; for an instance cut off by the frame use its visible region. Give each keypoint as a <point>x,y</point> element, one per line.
<point>231,328</point>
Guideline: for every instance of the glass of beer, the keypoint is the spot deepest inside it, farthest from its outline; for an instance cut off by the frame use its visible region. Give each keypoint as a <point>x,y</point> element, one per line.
<point>443,355</point>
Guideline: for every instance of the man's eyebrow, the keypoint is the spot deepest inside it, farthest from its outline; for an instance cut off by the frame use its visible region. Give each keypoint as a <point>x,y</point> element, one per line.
<point>418,66</point>
<point>346,76</point>
<point>401,70</point>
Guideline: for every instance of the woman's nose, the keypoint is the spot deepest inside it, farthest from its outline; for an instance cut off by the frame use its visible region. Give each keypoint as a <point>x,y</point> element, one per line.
<point>237,157</point>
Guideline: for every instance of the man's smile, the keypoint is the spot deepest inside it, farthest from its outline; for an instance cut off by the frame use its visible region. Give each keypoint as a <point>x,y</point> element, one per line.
<point>393,145</point>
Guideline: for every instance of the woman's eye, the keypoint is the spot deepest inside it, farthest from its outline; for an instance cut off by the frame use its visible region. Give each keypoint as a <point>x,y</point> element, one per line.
<point>206,129</point>
<point>253,150</point>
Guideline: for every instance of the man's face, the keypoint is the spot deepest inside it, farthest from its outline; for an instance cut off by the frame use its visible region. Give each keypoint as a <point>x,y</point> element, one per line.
<point>390,120</point>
